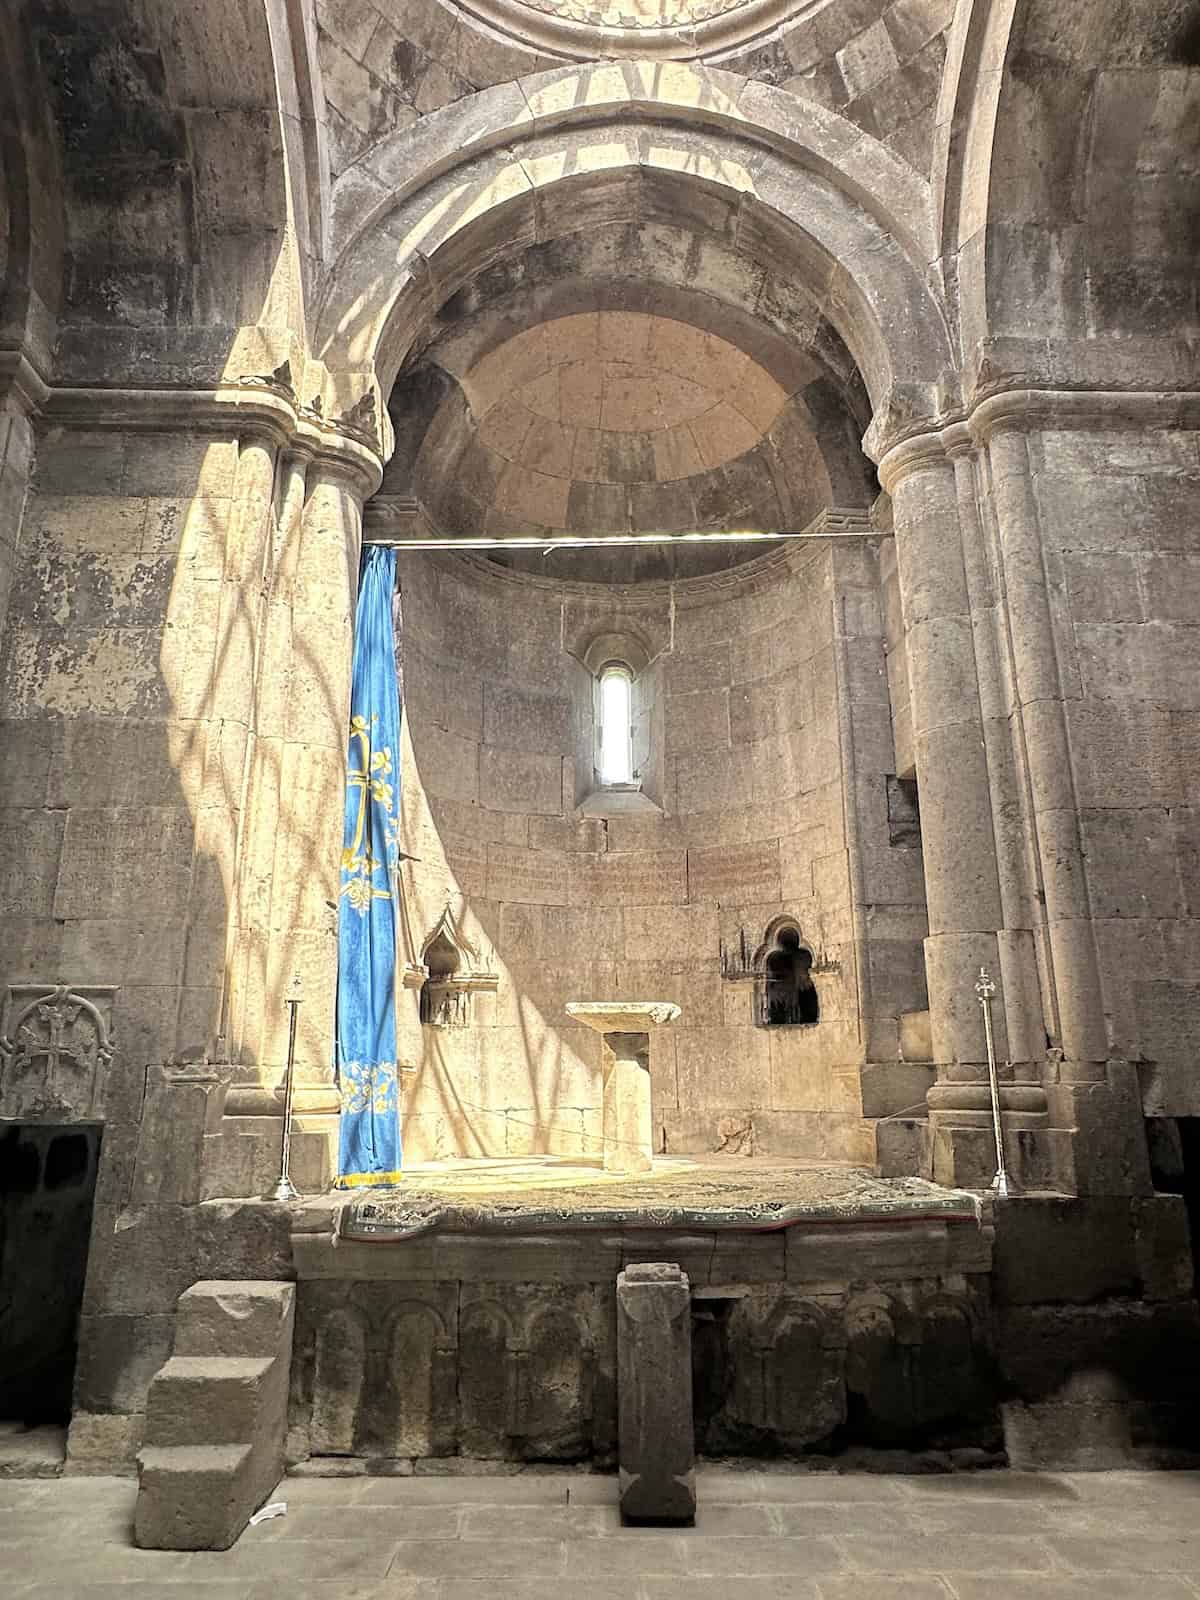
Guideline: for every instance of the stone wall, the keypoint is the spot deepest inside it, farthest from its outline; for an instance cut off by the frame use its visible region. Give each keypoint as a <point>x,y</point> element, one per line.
<point>1117,513</point>
<point>171,704</point>
<point>771,700</point>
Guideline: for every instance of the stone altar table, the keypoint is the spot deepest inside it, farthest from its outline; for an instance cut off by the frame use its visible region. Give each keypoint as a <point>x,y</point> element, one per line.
<point>624,1027</point>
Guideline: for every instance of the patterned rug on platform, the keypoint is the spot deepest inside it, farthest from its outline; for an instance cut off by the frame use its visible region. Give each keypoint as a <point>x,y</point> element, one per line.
<point>527,1198</point>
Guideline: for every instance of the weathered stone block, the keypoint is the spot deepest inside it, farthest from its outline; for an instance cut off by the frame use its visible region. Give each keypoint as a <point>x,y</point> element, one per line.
<point>654,1390</point>
<point>215,1421</point>
<point>118,1356</point>
<point>104,1444</point>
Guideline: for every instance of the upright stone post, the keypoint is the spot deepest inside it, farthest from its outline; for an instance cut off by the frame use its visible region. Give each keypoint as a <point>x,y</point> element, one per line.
<point>657,1444</point>
<point>627,1121</point>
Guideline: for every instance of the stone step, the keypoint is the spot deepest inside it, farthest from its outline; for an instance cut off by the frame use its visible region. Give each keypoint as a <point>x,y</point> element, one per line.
<point>213,1443</point>
<point>191,1497</point>
<point>208,1400</point>
<point>231,1318</point>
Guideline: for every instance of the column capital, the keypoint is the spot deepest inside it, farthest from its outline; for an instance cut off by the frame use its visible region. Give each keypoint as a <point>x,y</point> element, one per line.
<point>265,410</point>
<point>923,452</point>
<point>23,388</point>
<point>1030,410</point>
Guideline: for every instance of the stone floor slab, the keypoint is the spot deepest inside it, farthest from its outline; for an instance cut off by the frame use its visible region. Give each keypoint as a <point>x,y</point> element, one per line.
<point>496,1560</point>
<point>373,1525</point>
<point>807,1521</point>
<point>1059,1586</point>
<point>752,1558</point>
<point>285,1560</point>
<point>1166,1553</point>
<point>540,1490</point>
<point>70,1540</point>
<point>827,1488</point>
<point>871,1586</point>
<point>941,1553</point>
<point>31,1452</point>
<point>777,1587</point>
<point>995,1485</point>
<point>639,1553</point>
<point>530,1589</point>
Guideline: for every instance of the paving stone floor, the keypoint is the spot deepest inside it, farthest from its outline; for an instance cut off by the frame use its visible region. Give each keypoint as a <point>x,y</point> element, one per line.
<point>760,1536</point>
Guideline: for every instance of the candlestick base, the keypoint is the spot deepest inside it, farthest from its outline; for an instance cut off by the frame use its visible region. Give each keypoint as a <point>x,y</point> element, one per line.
<point>284,1190</point>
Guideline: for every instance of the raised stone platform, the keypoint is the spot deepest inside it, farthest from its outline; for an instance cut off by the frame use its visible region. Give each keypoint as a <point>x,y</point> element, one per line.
<point>560,1195</point>
<point>472,1310</point>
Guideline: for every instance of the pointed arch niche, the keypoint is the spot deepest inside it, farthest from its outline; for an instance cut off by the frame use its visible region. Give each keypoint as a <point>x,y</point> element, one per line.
<point>448,974</point>
<point>781,974</point>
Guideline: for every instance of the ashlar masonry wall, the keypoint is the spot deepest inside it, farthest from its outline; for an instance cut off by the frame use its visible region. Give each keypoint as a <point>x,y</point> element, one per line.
<point>770,711</point>
<point>1121,535</point>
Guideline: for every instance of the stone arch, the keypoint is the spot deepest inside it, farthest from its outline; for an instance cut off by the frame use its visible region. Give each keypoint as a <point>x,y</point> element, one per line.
<point>486,1379</point>
<point>418,1406</point>
<point>31,201</point>
<point>563,151</point>
<point>1064,187</point>
<point>803,1381</point>
<point>555,1415</point>
<point>340,1366</point>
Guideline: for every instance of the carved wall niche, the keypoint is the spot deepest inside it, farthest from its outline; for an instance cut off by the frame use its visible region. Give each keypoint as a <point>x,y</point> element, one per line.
<point>779,974</point>
<point>449,974</point>
<point>55,1050</point>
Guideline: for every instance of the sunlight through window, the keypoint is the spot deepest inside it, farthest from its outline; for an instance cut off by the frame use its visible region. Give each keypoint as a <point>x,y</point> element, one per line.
<point>615,756</point>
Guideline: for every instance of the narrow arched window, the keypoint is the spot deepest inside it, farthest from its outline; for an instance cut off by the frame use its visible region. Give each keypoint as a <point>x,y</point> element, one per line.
<point>614,732</point>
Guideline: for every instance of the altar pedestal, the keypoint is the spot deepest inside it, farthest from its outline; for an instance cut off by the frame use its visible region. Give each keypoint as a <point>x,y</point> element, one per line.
<point>624,1025</point>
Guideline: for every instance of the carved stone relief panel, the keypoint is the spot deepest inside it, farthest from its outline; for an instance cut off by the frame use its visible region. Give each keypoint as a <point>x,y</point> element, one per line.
<point>55,1050</point>
<point>380,1371</point>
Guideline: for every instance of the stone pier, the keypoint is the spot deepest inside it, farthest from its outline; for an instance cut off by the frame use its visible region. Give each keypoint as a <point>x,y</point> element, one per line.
<point>654,1384</point>
<point>628,1125</point>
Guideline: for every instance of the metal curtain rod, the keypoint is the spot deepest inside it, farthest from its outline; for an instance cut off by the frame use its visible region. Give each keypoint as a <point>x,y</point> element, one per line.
<point>599,541</point>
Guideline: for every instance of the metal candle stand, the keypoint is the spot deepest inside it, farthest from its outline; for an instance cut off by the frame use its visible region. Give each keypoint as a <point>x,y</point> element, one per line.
<point>285,1189</point>
<point>985,988</point>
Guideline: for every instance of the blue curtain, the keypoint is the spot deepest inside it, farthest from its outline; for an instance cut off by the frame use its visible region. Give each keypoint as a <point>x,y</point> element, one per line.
<point>369,1152</point>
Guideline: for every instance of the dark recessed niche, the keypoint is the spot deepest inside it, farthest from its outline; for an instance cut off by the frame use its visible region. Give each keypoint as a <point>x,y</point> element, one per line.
<point>789,994</point>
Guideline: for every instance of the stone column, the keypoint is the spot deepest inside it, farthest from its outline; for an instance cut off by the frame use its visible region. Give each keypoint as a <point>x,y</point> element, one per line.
<point>16,462</point>
<point>1099,1101</point>
<point>627,1120</point>
<point>962,880</point>
<point>1016,875</point>
<point>657,1446</point>
<point>1039,697</point>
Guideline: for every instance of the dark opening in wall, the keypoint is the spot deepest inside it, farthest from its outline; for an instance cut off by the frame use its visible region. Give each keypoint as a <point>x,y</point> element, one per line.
<point>790,994</point>
<point>1173,1144</point>
<point>904,813</point>
<point>47,1189</point>
<point>439,998</point>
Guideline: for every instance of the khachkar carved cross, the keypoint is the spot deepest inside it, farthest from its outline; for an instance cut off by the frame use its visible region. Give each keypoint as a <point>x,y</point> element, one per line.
<point>68,1035</point>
